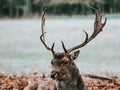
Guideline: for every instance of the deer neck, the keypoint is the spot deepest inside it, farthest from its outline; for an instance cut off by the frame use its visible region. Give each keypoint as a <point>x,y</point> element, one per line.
<point>74,82</point>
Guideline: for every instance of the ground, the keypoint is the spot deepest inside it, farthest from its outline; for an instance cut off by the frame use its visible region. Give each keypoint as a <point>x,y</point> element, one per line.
<point>22,52</point>
<point>20,46</point>
<point>39,81</point>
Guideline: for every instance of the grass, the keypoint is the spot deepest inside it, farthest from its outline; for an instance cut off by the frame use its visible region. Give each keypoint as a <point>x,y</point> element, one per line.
<point>21,50</point>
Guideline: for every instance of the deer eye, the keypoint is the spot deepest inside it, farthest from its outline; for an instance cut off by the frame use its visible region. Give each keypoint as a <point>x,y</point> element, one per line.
<point>65,62</point>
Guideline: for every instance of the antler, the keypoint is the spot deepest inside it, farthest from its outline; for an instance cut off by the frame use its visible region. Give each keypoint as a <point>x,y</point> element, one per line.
<point>42,36</point>
<point>98,26</point>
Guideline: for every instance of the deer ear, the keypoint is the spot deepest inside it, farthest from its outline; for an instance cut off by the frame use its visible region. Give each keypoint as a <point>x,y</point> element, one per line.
<point>75,54</point>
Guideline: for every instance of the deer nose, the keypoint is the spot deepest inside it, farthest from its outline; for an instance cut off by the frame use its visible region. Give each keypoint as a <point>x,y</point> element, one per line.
<point>54,74</point>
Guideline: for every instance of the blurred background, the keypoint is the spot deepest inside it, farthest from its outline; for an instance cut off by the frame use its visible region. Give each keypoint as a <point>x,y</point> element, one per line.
<point>21,50</point>
<point>19,8</point>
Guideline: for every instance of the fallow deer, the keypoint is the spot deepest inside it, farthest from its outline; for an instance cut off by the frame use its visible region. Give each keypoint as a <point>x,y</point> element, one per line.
<point>64,70</point>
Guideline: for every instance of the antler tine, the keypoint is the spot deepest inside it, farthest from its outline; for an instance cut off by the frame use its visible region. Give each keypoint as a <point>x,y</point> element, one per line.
<point>98,26</point>
<point>43,22</point>
<point>52,48</point>
<point>42,36</point>
<point>63,45</point>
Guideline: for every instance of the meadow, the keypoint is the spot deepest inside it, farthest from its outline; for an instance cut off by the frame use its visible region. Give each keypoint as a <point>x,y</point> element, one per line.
<point>21,50</point>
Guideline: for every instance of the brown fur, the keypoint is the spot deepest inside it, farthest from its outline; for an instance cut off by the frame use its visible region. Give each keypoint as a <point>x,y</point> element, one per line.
<point>67,74</point>
<point>64,70</point>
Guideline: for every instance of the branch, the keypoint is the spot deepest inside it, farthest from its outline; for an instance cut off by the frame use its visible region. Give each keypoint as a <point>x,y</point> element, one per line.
<point>97,77</point>
<point>101,78</point>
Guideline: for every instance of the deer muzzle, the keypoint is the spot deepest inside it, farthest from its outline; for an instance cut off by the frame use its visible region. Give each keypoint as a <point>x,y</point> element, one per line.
<point>54,74</point>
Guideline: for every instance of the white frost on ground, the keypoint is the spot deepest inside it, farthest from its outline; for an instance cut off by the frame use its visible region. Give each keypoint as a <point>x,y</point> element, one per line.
<point>21,50</point>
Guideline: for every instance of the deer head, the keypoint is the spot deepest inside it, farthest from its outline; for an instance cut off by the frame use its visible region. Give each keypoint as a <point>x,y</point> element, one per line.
<point>63,62</point>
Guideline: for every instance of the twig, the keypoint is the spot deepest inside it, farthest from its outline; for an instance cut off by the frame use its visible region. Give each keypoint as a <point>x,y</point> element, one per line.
<point>97,77</point>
